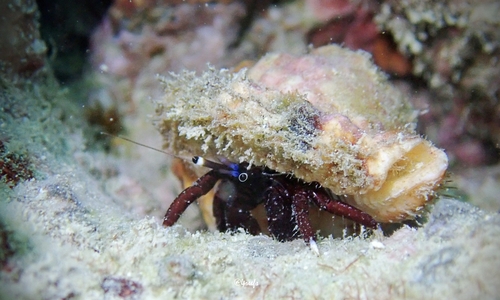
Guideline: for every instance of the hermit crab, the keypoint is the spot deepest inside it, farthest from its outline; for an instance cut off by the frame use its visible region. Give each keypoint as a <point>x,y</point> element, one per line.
<point>295,131</point>
<point>243,187</point>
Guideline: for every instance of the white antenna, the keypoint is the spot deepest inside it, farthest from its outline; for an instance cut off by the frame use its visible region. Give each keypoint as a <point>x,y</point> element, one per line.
<point>140,144</point>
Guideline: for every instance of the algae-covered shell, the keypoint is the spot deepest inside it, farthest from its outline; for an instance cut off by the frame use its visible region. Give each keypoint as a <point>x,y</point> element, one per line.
<point>327,116</point>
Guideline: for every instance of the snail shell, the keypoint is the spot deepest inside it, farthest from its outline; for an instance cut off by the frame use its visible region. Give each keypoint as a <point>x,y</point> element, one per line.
<point>327,116</point>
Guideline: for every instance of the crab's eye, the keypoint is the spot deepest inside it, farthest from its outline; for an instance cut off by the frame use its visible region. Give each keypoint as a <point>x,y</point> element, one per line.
<point>242,177</point>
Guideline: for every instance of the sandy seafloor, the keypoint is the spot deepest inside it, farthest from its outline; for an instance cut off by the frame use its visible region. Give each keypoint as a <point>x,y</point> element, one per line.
<point>66,235</point>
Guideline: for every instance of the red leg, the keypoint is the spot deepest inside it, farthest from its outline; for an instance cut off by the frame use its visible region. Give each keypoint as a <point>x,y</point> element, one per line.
<point>301,207</point>
<point>201,186</point>
<point>279,210</point>
<point>324,201</point>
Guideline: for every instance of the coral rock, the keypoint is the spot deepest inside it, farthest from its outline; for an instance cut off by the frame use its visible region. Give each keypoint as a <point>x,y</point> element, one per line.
<point>328,116</point>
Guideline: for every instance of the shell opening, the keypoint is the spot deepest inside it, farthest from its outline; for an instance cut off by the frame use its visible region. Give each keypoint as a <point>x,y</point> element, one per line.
<point>410,180</point>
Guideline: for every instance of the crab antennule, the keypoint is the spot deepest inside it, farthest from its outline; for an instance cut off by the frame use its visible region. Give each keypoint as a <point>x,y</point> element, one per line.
<point>231,169</point>
<point>200,161</point>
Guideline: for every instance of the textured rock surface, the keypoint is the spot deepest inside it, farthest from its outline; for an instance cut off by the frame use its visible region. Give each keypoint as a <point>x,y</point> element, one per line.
<point>77,230</point>
<point>455,48</point>
<point>22,51</point>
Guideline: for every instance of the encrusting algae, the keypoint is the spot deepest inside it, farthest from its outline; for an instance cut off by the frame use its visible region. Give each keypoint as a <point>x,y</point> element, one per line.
<point>328,116</point>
